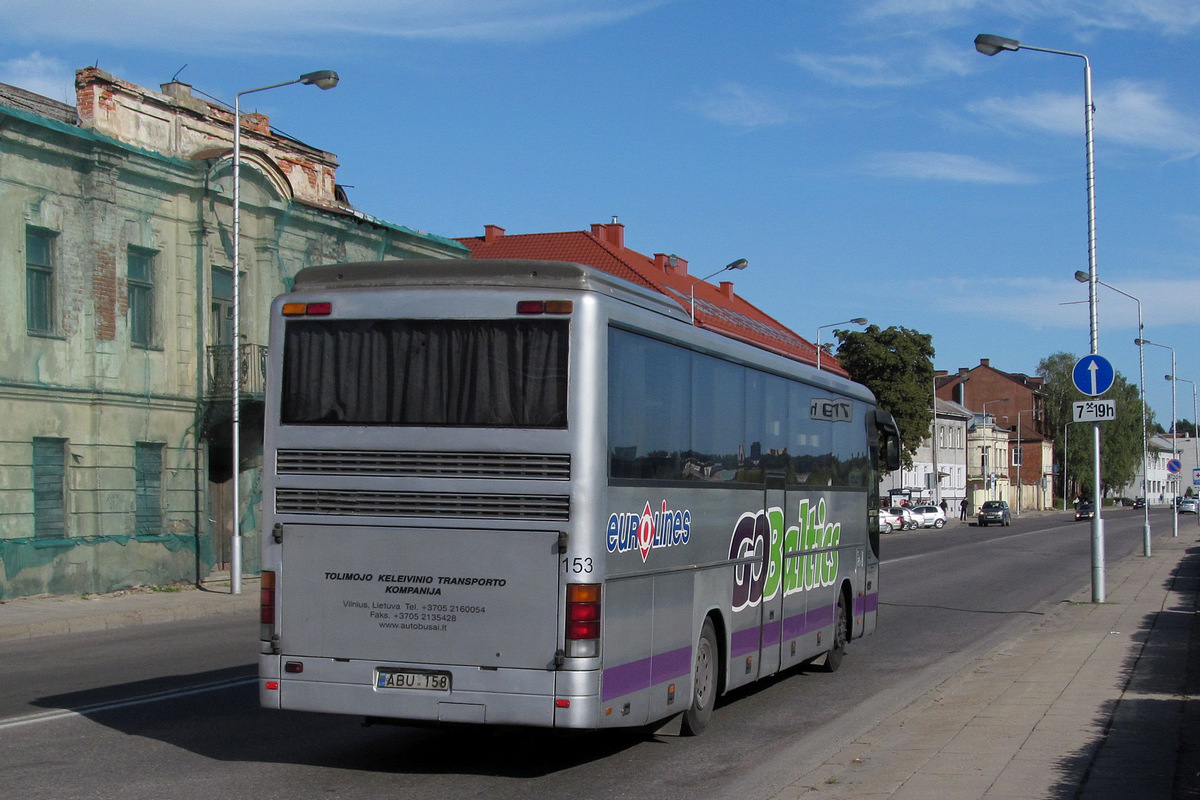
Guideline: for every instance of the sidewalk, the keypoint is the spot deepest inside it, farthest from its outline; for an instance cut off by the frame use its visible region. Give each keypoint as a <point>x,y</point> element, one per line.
<point>29,617</point>
<point>1093,702</point>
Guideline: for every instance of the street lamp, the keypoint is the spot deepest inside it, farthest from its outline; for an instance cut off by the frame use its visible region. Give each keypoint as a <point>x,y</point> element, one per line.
<point>741,263</point>
<point>985,416</point>
<point>990,45</point>
<point>1174,438</point>
<point>855,321</point>
<point>1195,442</point>
<point>324,79</point>
<point>1195,412</point>
<point>1083,277</point>
<point>1018,457</point>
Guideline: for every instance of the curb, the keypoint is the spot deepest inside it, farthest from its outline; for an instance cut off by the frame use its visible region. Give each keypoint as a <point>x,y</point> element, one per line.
<point>48,615</point>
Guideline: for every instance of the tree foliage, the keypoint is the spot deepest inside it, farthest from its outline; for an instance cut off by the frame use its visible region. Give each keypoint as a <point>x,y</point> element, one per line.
<point>1120,439</point>
<point>897,365</point>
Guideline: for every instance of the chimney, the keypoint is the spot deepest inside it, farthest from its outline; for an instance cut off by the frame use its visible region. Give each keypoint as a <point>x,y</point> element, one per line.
<point>492,232</point>
<point>727,289</point>
<point>613,233</point>
<point>985,362</point>
<point>670,264</point>
<point>181,93</point>
<point>259,123</point>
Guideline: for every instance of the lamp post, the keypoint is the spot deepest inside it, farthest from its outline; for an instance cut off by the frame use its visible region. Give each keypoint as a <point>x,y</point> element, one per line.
<point>1195,442</point>
<point>741,263</point>
<point>324,79</point>
<point>1018,459</point>
<point>990,45</point>
<point>985,416</point>
<point>1195,412</point>
<point>1083,277</point>
<point>1174,438</point>
<point>855,321</point>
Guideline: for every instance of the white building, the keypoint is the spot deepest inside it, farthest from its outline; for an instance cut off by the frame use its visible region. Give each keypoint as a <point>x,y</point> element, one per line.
<point>949,431</point>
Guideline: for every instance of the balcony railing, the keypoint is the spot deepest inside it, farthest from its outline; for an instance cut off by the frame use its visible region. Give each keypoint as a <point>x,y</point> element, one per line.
<point>252,367</point>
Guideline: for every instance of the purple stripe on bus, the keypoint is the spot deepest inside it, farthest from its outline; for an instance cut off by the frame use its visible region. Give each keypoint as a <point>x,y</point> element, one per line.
<point>646,672</point>
<point>637,675</point>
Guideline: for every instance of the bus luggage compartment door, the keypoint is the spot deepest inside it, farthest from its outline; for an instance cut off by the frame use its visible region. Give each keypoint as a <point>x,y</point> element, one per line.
<point>420,595</point>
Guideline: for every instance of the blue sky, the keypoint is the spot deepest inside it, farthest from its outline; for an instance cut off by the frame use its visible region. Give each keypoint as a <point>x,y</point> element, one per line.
<point>862,156</point>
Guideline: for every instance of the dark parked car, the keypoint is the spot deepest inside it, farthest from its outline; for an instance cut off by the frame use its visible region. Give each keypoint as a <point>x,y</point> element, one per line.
<point>994,511</point>
<point>1085,511</point>
<point>1139,502</point>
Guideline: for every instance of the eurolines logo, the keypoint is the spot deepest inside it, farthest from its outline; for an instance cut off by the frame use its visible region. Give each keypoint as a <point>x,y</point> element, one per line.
<point>649,530</point>
<point>760,533</point>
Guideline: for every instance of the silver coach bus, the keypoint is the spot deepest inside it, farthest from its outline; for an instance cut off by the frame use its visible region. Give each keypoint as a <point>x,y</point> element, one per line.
<point>532,493</point>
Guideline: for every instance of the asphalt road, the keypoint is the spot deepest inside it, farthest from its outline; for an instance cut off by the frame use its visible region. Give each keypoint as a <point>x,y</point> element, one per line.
<point>170,711</point>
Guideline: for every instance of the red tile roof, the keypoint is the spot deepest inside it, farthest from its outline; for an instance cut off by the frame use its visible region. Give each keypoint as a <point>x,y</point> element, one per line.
<point>717,308</point>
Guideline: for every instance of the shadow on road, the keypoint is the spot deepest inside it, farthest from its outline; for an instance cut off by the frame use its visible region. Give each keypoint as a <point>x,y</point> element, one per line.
<point>216,715</point>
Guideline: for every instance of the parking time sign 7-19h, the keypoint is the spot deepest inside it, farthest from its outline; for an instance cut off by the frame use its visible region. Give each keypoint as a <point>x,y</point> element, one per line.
<point>1094,410</point>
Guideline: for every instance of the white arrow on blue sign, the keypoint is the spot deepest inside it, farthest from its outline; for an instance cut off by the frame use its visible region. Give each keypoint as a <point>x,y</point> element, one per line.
<point>1093,375</point>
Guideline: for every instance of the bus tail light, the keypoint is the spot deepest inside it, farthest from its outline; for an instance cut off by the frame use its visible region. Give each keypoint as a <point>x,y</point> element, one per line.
<point>545,306</point>
<point>583,620</point>
<point>266,605</point>
<point>309,309</point>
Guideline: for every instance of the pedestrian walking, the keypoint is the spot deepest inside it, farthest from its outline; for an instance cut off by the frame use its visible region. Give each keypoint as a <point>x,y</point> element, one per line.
<point>962,510</point>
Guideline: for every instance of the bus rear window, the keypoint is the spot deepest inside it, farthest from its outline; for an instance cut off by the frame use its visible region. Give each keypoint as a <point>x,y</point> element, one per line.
<point>454,373</point>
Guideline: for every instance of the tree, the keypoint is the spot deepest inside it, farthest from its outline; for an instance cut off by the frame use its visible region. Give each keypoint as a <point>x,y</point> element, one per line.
<point>1120,438</point>
<point>897,365</point>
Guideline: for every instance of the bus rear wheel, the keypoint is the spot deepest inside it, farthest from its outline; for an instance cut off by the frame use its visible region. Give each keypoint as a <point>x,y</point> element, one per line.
<point>833,658</point>
<point>704,683</point>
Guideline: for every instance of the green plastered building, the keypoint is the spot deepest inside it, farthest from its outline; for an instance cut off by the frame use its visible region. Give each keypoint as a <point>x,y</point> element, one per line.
<point>116,359</point>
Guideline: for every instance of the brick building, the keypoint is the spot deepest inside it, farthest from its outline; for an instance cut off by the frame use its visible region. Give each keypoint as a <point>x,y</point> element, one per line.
<point>1013,401</point>
<point>115,221</point>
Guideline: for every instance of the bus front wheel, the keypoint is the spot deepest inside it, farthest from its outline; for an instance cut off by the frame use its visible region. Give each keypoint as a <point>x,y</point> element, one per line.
<point>704,683</point>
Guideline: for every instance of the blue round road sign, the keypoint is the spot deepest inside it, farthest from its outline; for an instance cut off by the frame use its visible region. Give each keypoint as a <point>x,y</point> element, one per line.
<point>1174,465</point>
<point>1093,375</point>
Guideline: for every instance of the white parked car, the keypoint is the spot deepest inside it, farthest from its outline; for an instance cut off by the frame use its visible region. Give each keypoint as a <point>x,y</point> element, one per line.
<point>928,516</point>
<point>1189,505</point>
<point>901,518</point>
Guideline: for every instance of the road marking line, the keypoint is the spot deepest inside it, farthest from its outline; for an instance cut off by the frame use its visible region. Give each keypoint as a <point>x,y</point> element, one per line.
<point>96,708</point>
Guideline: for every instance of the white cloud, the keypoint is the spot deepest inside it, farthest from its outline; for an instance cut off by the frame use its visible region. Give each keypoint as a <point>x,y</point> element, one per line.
<point>271,24</point>
<point>1061,304</point>
<point>35,73</point>
<point>1129,113</point>
<point>942,167</point>
<point>738,106</point>
<point>908,61</point>
<point>1172,17</point>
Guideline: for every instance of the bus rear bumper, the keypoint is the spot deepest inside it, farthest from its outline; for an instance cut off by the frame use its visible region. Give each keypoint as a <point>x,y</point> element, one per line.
<point>517,697</point>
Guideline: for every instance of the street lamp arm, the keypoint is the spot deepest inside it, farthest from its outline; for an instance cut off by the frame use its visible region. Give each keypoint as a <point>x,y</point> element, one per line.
<point>323,79</point>
<point>741,263</point>
<point>855,321</point>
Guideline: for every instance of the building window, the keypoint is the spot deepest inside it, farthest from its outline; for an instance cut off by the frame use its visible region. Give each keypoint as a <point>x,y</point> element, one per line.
<point>1016,456</point>
<point>222,306</point>
<point>148,473</point>
<point>141,296</point>
<point>39,280</point>
<point>49,488</point>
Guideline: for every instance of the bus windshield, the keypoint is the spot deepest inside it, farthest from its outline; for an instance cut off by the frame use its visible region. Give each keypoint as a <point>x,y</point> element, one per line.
<point>453,373</point>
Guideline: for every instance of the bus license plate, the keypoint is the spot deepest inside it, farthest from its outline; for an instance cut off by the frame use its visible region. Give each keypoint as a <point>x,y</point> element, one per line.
<point>412,679</point>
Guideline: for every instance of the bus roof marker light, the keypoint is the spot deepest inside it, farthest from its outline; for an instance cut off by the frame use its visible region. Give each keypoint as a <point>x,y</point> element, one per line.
<point>320,309</point>
<point>531,307</point>
<point>295,309</point>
